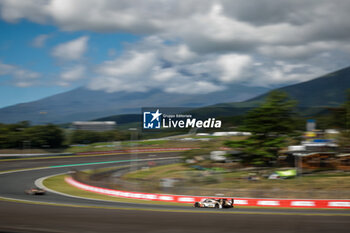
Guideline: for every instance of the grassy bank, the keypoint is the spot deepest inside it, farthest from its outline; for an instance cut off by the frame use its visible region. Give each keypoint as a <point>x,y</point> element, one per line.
<point>326,184</point>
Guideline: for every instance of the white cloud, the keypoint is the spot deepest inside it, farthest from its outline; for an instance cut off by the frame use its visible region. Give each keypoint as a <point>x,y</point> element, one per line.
<point>72,50</point>
<point>40,40</point>
<point>285,73</point>
<point>232,66</point>
<point>25,74</point>
<point>73,74</point>
<point>21,83</point>
<point>14,10</point>
<point>6,69</point>
<point>298,51</point>
<point>178,54</point>
<point>166,74</point>
<point>134,63</point>
<point>152,64</point>
<point>173,68</point>
<point>200,43</point>
<point>129,72</point>
<point>200,87</point>
<point>20,77</point>
<point>233,24</point>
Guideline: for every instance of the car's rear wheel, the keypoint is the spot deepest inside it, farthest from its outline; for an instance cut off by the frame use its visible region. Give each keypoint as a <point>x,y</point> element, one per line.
<point>217,206</point>
<point>196,205</point>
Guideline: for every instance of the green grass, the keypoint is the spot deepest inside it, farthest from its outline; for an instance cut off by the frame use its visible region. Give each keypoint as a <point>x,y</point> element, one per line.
<point>104,169</point>
<point>156,172</point>
<point>58,184</point>
<point>318,185</point>
<point>107,146</point>
<point>146,143</point>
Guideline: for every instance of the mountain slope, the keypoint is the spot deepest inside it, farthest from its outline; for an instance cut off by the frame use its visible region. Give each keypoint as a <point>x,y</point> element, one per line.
<point>85,104</point>
<point>327,90</point>
<point>312,96</point>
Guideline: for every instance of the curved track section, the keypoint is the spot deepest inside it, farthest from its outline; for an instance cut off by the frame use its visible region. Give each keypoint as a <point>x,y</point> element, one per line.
<point>24,215</point>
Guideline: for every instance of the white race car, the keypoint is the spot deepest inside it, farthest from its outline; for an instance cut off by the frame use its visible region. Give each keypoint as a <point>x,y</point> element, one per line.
<point>215,203</point>
<point>35,191</point>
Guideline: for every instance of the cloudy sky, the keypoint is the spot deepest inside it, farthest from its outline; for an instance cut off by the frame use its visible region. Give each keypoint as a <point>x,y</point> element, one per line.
<point>190,46</point>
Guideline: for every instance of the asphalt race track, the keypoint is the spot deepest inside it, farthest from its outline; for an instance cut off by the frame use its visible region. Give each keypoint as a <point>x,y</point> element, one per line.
<point>55,213</point>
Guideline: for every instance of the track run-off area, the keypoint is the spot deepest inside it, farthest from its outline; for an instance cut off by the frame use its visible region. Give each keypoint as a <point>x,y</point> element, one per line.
<point>66,213</point>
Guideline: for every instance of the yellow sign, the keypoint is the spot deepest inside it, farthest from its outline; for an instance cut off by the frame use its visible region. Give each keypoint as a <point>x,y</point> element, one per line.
<point>310,134</point>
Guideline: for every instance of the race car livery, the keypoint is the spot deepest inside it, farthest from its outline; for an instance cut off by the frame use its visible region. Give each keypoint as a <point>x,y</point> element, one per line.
<point>215,203</point>
<point>35,191</point>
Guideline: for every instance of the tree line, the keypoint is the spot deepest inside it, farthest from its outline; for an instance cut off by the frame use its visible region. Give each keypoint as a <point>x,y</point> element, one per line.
<point>24,136</point>
<point>87,137</point>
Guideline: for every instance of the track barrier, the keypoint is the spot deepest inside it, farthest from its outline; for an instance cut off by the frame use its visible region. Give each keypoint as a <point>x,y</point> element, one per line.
<point>261,202</point>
